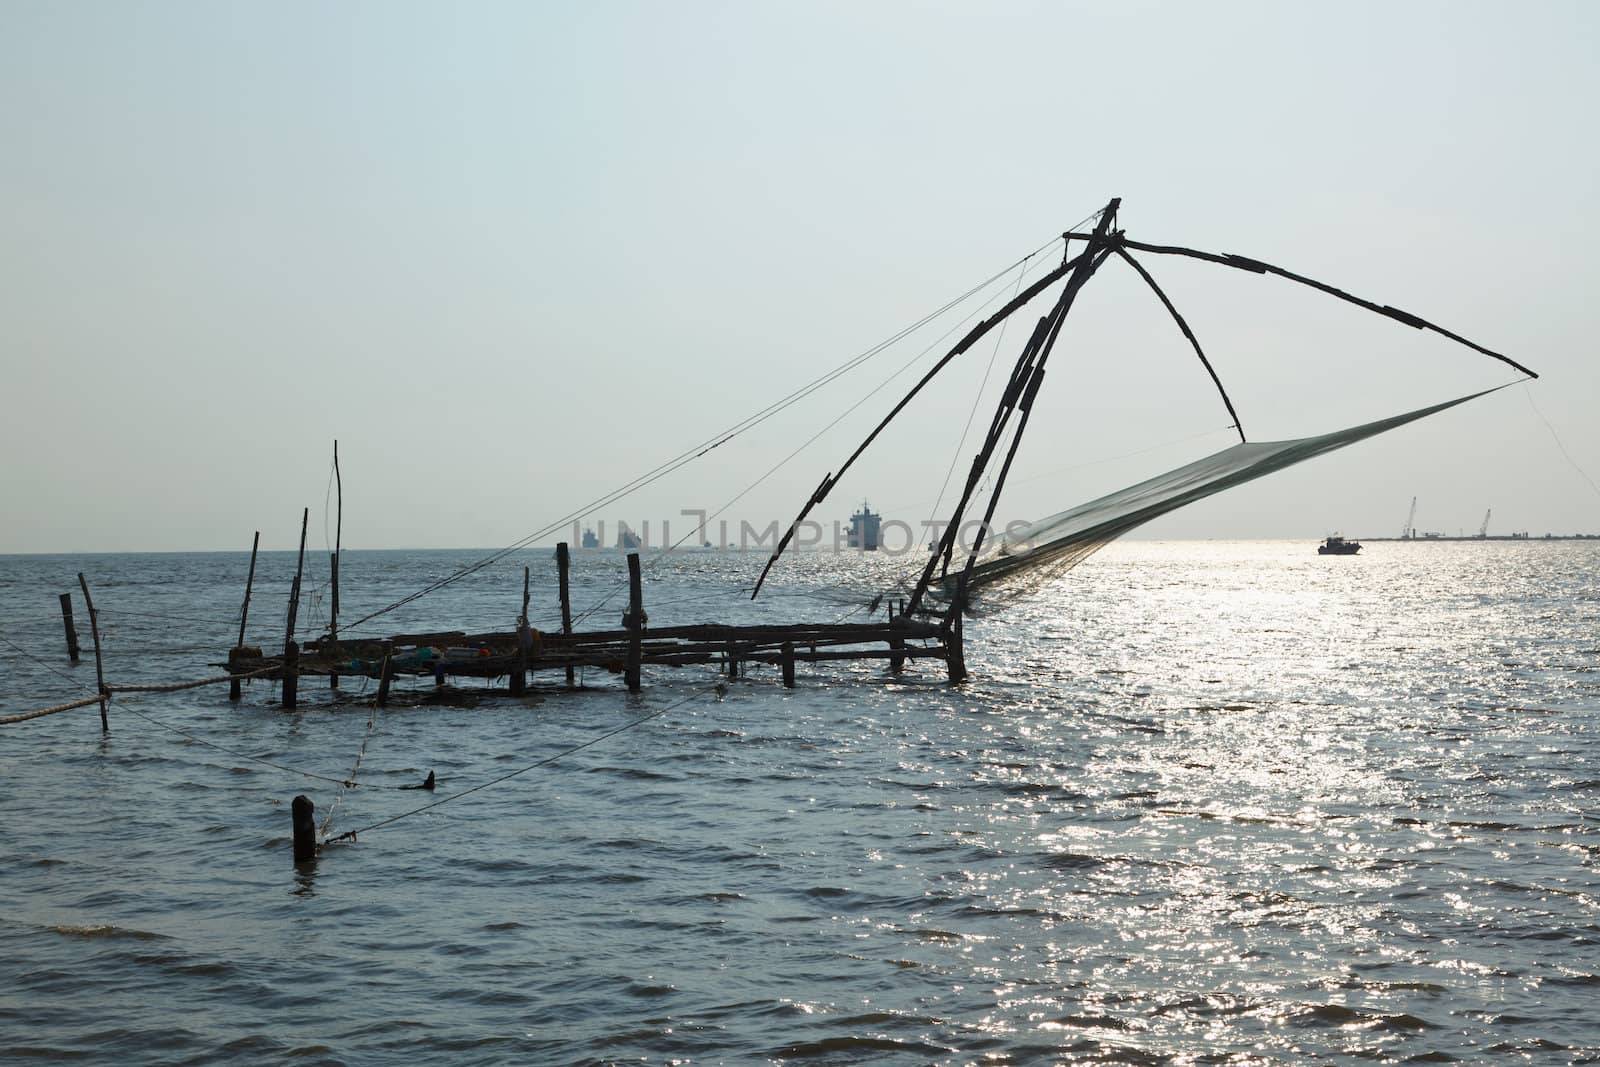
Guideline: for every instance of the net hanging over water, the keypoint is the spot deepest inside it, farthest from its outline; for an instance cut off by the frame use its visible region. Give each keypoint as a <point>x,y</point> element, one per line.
<point>1028,557</point>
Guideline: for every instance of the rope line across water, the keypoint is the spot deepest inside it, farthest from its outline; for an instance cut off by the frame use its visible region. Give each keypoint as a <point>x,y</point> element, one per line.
<point>351,835</point>
<point>25,716</point>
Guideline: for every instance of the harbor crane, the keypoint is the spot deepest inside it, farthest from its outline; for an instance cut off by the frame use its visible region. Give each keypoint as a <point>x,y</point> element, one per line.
<point>1410,529</point>
<point>1483,531</point>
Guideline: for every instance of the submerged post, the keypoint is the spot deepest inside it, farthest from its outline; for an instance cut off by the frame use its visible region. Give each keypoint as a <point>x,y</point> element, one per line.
<point>563,563</point>
<point>72,631</point>
<point>291,651</point>
<point>244,612</point>
<point>99,667</point>
<point>305,829</point>
<point>634,622</point>
<point>788,664</point>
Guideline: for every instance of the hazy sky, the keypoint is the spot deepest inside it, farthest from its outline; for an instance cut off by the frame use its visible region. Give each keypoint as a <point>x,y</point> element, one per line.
<point>514,255</point>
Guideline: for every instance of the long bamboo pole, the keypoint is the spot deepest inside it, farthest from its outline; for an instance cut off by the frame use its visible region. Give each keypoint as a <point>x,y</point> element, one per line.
<point>291,651</point>
<point>1025,377</point>
<point>338,533</point>
<point>99,666</point>
<point>234,692</point>
<point>1256,266</point>
<point>973,335</point>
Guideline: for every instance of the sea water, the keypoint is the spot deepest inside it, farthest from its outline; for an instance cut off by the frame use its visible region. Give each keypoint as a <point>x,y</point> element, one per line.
<point>1198,803</point>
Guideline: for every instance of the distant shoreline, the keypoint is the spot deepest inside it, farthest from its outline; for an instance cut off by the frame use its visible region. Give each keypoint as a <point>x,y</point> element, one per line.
<point>655,549</point>
<point>1487,537</point>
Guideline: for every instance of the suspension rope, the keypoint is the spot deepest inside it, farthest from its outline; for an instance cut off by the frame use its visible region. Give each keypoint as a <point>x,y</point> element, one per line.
<point>327,821</point>
<point>351,835</point>
<point>706,446</point>
<point>1557,438</point>
<point>930,347</point>
<point>24,717</point>
<point>178,686</point>
<point>36,661</point>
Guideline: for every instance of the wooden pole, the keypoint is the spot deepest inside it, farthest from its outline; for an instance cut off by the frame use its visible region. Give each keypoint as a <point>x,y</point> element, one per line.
<point>788,664</point>
<point>563,563</point>
<point>635,621</point>
<point>983,327</point>
<point>338,532</point>
<point>955,652</point>
<point>99,666</point>
<point>897,645</point>
<point>385,674</point>
<point>305,829</point>
<point>72,631</point>
<point>1026,376</point>
<point>291,651</point>
<point>291,674</point>
<point>244,612</point>
<point>519,669</point>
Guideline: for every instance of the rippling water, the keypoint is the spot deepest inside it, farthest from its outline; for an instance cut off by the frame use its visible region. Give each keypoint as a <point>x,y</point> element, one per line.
<point>1199,803</point>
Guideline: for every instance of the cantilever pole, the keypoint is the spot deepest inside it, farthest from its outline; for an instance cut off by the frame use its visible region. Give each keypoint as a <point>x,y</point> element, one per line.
<point>1256,266</point>
<point>830,480</point>
<point>338,535</point>
<point>1025,380</point>
<point>1193,340</point>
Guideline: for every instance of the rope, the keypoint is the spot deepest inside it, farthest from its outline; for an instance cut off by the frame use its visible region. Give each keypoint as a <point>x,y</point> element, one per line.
<point>351,835</point>
<point>692,454</point>
<point>1557,438</point>
<point>977,398</point>
<point>931,346</point>
<point>176,686</point>
<point>233,752</point>
<point>372,721</point>
<point>50,711</point>
<point>36,661</point>
<point>162,615</point>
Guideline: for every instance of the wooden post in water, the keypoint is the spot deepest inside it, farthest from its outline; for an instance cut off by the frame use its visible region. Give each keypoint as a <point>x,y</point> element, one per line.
<point>385,674</point>
<point>788,664</point>
<point>519,667</point>
<point>99,667</point>
<point>954,652</point>
<point>72,631</point>
<point>291,674</point>
<point>244,612</point>
<point>291,651</point>
<point>897,661</point>
<point>338,532</point>
<point>563,563</point>
<point>635,621</point>
<point>305,829</point>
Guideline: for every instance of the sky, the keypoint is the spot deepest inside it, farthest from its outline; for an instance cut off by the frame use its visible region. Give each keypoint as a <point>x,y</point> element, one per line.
<point>512,256</point>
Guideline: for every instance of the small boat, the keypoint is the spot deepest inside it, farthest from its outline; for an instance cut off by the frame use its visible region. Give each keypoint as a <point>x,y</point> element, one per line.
<point>1338,546</point>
